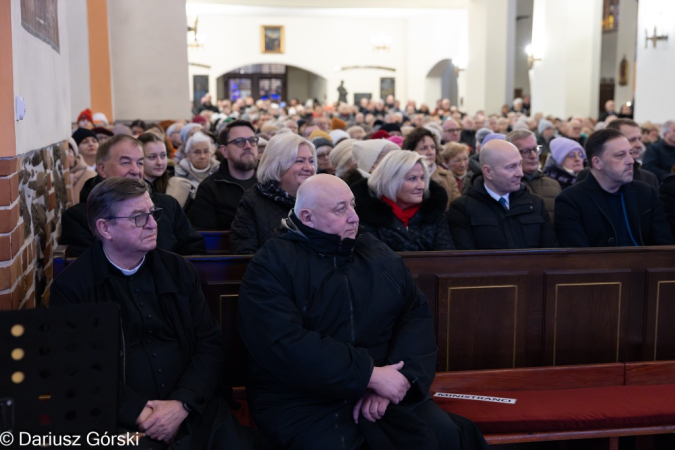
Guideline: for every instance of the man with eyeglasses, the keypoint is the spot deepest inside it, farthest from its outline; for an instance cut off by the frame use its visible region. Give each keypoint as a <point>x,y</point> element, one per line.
<point>219,194</point>
<point>172,354</point>
<point>452,132</point>
<point>535,180</point>
<point>631,130</point>
<point>122,156</point>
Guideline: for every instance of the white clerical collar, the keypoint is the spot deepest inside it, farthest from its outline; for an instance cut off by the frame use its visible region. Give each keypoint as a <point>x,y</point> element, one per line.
<point>125,271</point>
<point>497,196</point>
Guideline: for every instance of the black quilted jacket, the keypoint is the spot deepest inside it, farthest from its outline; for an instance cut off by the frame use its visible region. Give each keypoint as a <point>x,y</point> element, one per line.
<point>257,219</point>
<point>426,231</point>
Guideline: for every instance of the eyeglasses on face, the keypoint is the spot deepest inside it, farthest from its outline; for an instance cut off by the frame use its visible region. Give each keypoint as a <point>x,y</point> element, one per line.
<point>527,151</point>
<point>241,142</point>
<point>452,130</point>
<point>573,155</point>
<point>140,220</point>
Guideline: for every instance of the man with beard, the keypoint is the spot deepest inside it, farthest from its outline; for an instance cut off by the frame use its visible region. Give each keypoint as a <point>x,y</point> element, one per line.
<point>218,195</point>
<point>609,208</point>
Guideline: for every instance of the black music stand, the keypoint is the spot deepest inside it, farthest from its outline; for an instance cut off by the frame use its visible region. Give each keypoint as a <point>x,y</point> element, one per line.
<point>59,370</point>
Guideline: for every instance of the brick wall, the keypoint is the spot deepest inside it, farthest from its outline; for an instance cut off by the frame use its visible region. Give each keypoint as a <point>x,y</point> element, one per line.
<point>33,193</point>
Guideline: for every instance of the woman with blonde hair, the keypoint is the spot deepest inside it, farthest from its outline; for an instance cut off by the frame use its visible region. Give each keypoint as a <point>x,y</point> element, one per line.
<point>424,142</point>
<point>401,206</point>
<point>288,161</point>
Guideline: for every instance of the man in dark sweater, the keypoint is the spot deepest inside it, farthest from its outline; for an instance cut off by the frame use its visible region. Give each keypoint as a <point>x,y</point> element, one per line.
<point>218,195</point>
<point>122,156</point>
<point>660,157</point>
<point>609,208</point>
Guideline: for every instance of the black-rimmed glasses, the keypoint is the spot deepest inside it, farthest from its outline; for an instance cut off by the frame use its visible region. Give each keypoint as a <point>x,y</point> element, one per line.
<point>527,151</point>
<point>140,220</point>
<point>241,142</point>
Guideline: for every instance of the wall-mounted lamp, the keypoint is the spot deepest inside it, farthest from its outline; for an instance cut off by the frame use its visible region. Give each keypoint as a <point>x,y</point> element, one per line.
<point>655,37</point>
<point>381,42</point>
<point>195,39</point>
<point>530,57</point>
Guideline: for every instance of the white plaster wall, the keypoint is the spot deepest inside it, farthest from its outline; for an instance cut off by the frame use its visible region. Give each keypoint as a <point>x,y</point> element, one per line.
<point>654,88</point>
<point>41,77</point>
<point>148,56</point>
<point>566,81</point>
<point>491,70</point>
<point>78,49</point>
<point>626,46</point>
<point>322,43</point>
<point>433,39</point>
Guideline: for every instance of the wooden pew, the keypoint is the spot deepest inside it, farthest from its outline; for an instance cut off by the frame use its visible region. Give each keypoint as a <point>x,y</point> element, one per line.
<point>522,308</point>
<point>216,242</point>
<point>644,391</point>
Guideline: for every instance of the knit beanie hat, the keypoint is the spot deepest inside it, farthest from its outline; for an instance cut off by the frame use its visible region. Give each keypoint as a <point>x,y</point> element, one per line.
<point>480,134</point>
<point>544,125</point>
<point>380,134</point>
<point>561,147</point>
<point>321,142</point>
<point>338,135</point>
<point>365,153</point>
<point>73,145</point>
<point>100,118</point>
<point>388,127</point>
<point>338,124</point>
<point>186,129</point>
<point>102,130</point>
<point>85,115</point>
<point>81,134</point>
<point>121,129</point>
<point>319,134</point>
<point>341,155</point>
<point>398,140</point>
<point>492,137</point>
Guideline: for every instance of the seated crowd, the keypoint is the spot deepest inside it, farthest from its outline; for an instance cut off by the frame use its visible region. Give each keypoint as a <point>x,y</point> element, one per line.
<point>238,165</point>
<point>338,334</point>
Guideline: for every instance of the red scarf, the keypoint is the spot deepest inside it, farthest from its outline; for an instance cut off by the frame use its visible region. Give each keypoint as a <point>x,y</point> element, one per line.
<point>403,215</point>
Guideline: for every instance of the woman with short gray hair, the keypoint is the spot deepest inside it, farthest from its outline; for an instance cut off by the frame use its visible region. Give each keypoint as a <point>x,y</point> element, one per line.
<point>198,162</point>
<point>288,161</point>
<point>402,206</point>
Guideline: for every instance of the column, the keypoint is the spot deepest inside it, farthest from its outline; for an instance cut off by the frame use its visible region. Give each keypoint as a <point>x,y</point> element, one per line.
<point>567,36</point>
<point>490,72</point>
<point>148,55</point>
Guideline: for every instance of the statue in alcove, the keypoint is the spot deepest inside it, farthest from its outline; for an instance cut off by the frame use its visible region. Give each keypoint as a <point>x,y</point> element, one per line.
<point>342,92</point>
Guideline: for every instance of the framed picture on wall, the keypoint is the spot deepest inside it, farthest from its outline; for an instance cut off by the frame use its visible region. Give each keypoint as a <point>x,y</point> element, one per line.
<point>387,87</point>
<point>272,39</point>
<point>359,96</point>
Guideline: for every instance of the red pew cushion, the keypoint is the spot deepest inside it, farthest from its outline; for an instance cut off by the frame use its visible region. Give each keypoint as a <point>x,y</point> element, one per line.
<point>569,409</point>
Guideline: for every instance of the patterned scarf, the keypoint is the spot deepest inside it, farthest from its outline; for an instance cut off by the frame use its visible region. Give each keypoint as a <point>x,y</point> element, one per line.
<point>273,191</point>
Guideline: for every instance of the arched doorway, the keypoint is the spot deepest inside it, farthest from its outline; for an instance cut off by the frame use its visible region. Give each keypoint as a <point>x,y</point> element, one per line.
<point>278,82</point>
<point>441,82</point>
